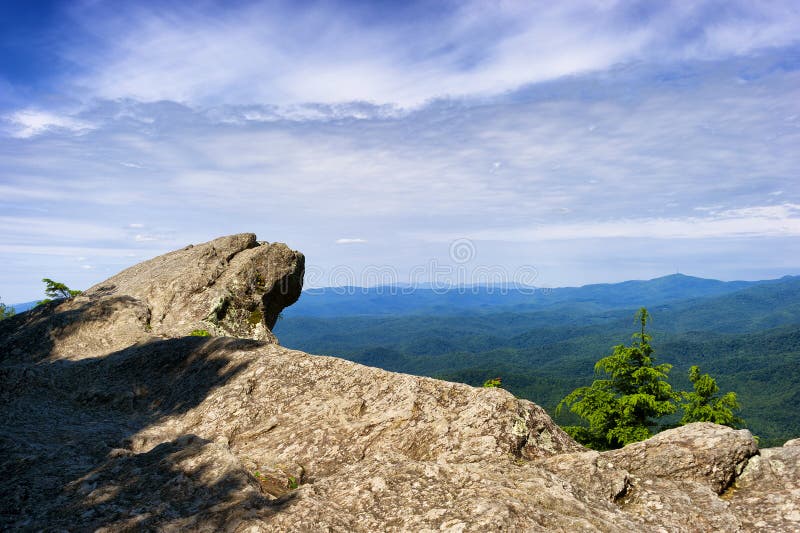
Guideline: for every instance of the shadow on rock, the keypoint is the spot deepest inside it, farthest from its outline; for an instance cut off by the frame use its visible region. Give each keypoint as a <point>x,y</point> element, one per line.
<point>70,439</point>
<point>187,483</point>
<point>73,329</point>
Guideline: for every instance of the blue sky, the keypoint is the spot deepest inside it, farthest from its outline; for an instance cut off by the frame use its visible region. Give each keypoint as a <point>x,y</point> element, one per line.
<point>584,141</point>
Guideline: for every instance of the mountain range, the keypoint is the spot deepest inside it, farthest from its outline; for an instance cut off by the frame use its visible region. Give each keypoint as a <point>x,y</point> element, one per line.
<point>404,300</point>
<point>544,343</point>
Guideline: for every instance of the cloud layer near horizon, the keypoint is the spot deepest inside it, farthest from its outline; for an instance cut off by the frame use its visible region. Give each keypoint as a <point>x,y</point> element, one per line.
<point>551,135</point>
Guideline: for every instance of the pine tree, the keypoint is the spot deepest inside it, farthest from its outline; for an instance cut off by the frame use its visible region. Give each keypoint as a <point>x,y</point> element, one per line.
<point>623,407</point>
<point>56,291</point>
<point>5,311</point>
<point>704,404</point>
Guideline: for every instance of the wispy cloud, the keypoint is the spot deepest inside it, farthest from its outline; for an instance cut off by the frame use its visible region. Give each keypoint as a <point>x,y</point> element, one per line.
<point>757,221</point>
<point>30,122</point>
<point>131,165</point>
<point>27,229</point>
<point>145,237</point>
<point>549,126</point>
<point>635,152</point>
<point>282,54</point>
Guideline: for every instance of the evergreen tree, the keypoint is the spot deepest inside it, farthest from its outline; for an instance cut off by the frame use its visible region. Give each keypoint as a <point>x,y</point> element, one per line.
<point>705,404</point>
<point>623,407</point>
<point>56,291</point>
<point>5,311</point>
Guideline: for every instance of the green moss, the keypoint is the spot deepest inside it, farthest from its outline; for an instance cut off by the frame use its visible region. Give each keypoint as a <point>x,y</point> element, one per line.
<point>255,318</point>
<point>200,333</point>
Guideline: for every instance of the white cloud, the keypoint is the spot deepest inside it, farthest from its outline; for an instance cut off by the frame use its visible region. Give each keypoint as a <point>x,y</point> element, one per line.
<point>351,241</point>
<point>26,229</point>
<point>777,212</point>
<point>288,56</point>
<point>30,122</point>
<point>757,221</point>
<point>681,153</point>
<point>68,252</point>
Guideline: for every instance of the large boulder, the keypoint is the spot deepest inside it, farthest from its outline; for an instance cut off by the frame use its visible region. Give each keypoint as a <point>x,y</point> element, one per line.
<point>232,286</point>
<point>707,453</point>
<point>679,478</point>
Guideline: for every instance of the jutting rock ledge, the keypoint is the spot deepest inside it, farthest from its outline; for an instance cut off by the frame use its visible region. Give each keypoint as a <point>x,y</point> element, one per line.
<point>114,419</point>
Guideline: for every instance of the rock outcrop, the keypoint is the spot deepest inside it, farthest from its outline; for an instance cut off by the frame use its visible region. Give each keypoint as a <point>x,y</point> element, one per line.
<point>232,286</point>
<point>110,425</point>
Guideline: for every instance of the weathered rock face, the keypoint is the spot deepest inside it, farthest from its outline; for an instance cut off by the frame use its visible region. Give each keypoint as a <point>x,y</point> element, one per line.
<point>233,286</point>
<point>766,496</point>
<point>676,454</point>
<point>244,435</point>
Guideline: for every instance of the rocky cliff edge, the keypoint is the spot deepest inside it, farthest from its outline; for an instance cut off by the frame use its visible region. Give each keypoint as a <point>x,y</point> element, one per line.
<point>114,419</point>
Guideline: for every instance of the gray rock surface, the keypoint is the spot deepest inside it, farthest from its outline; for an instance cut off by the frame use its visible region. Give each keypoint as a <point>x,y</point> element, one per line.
<point>697,452</point>
<point>232,286</point>
<point>766,496</point>
<point>109,427</point>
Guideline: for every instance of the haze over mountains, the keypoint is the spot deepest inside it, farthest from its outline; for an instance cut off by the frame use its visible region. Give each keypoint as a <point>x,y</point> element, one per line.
<point>393,300</point>
<point>544,343</point>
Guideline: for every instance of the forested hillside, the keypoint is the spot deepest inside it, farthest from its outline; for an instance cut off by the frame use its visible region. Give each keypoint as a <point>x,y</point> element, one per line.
<point>746,334</point>
<point>393,301</point>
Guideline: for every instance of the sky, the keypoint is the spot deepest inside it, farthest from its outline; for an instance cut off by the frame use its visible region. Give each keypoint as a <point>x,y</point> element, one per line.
<point>545,143</point>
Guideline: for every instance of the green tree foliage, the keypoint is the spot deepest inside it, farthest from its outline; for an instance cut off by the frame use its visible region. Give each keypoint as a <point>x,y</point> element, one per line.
<point>704,404</point>
<point>5,311</point>
<point>494,383</point>
<point>56,291</point>
<point>623,407</point>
